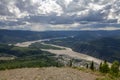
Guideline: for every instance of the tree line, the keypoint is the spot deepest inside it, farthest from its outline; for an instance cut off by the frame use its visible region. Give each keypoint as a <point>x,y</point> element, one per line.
<point>104,67</point>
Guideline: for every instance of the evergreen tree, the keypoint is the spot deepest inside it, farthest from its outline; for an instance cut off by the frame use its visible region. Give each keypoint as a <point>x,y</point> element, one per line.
<point>71,63</point>
<point>100,67</point>
<point>104,68</point>
<point>92,66</point>
<point>87,66</point>
<point>115,68</point>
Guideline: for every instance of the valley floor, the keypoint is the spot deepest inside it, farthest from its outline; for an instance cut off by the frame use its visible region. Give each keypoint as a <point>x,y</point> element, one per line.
<point>66,51</point>
<point>51,73</point>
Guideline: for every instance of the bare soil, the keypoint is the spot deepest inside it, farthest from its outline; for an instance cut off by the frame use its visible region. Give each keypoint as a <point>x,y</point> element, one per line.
<point>51,73</point>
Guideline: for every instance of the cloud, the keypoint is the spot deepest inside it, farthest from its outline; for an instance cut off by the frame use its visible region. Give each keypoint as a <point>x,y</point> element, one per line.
<point>59,14</point>
<point>105,28</point>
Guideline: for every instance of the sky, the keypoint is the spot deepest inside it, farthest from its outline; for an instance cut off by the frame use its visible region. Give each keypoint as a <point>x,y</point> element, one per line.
<point>42,15</point>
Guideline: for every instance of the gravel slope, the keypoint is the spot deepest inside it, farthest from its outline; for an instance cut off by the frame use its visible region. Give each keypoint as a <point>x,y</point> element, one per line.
<point>50,73</point>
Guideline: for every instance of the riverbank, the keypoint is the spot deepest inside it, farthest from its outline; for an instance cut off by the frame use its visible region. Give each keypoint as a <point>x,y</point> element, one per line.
<point>67,51</point>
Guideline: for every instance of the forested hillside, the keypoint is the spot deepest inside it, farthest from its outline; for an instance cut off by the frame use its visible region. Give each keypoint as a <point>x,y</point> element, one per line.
<point>106,48</point>
<point>19,57</point>
<point>100,44</point>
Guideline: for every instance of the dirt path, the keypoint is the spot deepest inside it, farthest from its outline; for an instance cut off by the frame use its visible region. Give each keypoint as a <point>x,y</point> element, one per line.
<point>51,73</point>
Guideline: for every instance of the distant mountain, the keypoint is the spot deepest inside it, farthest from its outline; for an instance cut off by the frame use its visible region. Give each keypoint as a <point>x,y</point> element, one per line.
<point>13,36</point>
<point>104,48</point>
<point>101,44</point>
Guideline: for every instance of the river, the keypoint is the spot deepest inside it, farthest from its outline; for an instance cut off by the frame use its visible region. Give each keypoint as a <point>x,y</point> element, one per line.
<point>66,51</point>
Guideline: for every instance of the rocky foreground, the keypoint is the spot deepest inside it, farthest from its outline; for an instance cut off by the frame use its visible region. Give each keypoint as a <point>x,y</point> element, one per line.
<point>51,73</point>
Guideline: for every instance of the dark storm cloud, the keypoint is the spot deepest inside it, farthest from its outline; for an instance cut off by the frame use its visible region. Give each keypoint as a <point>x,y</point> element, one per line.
<point>102,25</point>
<point>3,8</point>
<point>26,6</point>
<point>52,19</point>
<point>78,11</point>
<point>11,23</point>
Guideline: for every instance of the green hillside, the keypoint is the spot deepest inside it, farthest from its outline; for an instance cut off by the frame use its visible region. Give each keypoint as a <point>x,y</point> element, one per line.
<point>25,57</point>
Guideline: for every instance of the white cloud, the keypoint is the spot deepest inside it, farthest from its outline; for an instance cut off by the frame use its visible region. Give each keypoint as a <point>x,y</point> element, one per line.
<point>96,6</point>
<point>49,6</point>
<point>59,14</point>
<point>67,2</point>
